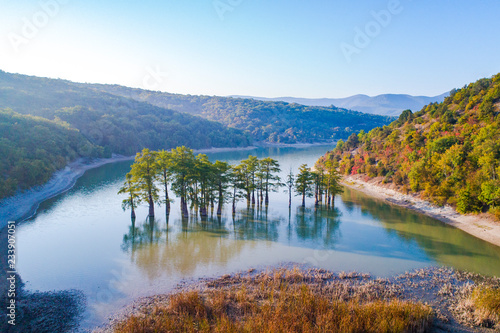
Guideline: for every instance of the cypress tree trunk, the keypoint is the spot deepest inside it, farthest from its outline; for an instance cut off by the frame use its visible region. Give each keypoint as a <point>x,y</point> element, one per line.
<point>151,206</point>
<point>221,199</point>
<point>316,202</point>
<point>165,183</point>
<point>167,201</point>
<point>303,199</point>
<point>267,194</point>
<point>234,200</point>
<point>184,209</point>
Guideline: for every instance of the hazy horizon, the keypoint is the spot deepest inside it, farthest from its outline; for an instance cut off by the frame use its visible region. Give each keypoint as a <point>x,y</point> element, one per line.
<point>237,47</point>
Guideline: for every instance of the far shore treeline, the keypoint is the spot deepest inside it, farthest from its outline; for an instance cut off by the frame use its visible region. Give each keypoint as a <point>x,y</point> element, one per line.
<point>202,184</point>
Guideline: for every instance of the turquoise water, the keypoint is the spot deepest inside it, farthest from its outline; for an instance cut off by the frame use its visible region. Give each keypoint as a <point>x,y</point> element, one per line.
<point>83,240</point>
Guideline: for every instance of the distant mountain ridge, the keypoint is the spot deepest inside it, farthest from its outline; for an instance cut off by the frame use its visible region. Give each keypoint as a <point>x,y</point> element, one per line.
<point>386,104</point>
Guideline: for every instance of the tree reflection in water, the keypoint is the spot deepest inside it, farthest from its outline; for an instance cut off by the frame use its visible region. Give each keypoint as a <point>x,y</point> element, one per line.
<point>185,244</point>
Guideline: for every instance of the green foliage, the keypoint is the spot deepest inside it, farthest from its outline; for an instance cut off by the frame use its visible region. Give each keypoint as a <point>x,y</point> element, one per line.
<point>268,170</point>
<point>144,173</point>
<point>133,196</point>
<point>467,202</point>
<point>304,183</point>
<point>352,142</point>
<point>404,117</point>
<point>196,180</point>
<point>33,148</point>
<point>490,193</point>
<point>278,122</point>
<point>120,125</point>
<point>124,121</point>
<point>447,152</point>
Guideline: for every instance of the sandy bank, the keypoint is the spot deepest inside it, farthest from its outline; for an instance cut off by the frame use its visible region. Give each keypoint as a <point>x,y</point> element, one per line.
<point>481,226</point>
<point>221,150</point>
<point>295,145</point>
<point>25,204</point>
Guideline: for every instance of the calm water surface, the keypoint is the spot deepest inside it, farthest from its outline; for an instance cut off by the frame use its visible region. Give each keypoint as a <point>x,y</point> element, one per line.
<point>83,240</point>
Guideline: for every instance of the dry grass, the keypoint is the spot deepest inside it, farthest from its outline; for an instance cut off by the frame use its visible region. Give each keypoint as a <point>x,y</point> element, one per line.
<point>479,306</point>
<point>284,301</point>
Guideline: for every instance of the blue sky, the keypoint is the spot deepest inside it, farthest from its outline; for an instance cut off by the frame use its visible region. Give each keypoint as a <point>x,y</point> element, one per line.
<point>255,47</point>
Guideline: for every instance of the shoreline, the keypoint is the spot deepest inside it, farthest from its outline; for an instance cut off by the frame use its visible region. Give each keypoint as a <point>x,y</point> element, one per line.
<point>442,289</point>
<point>222,150</point>
<point>480,226</point>
<point>294,145</point>
<point>24,205</point>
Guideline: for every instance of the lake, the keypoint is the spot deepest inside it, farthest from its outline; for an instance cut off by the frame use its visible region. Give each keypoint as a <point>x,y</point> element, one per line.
<point>83,240</point>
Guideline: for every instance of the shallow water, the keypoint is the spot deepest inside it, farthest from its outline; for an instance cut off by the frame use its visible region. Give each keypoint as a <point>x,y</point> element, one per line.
<point>83,240</point>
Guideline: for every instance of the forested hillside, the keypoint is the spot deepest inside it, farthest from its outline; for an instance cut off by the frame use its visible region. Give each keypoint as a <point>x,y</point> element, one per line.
<point>112,121</point>
<point>32,148</point>
<point>118,124</point>
<point>267,121</point>
<point>52,122</point>
<point>447,152</point>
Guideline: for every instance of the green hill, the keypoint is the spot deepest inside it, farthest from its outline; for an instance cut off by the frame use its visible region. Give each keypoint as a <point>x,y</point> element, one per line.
<point>118,124</point>
<point>447,152</point>
<point>277,122</point>
<point>32,148</point>
<point>113,119</point>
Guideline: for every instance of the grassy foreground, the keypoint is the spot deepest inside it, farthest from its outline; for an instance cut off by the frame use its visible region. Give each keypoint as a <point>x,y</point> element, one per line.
<point>479,306</point>
<point>283,301</point>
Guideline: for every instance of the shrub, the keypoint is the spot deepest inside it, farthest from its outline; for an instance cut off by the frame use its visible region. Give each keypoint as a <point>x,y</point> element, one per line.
<point>467,202</point>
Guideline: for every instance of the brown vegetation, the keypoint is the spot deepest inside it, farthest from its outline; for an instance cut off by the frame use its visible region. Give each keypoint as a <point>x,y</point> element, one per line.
<point>479,306</point>
<point>284,301</point>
